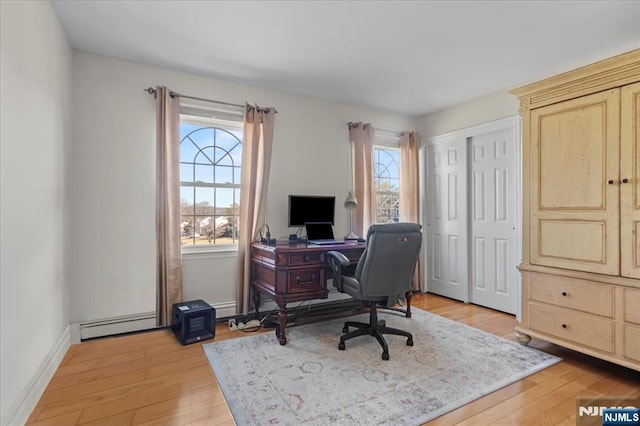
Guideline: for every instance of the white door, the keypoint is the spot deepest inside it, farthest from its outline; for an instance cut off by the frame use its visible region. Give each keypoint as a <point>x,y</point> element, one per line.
<point>493,275</point>
<point>446,210</point>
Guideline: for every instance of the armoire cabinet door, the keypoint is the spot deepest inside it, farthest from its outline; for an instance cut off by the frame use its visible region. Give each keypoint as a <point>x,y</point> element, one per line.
<point>574,184</point>
<point>630,181</point>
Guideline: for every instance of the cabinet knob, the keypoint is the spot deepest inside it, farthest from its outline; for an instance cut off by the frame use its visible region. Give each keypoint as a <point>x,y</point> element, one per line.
<point>306,257</point>
<point>611,182</point>
<point>564,293</point>
<point>625,180</point>
<point>564,325</point>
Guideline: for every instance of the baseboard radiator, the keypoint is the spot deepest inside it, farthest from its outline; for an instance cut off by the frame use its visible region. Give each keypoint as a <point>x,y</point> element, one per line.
<point>117,325</point>
<point>134,322</point>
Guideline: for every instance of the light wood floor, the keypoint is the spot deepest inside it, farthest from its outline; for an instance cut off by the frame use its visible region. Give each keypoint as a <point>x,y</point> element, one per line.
<point>149,378</point>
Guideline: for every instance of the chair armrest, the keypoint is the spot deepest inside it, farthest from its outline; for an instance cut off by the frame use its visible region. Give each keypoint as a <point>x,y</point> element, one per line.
<point>337,261</point>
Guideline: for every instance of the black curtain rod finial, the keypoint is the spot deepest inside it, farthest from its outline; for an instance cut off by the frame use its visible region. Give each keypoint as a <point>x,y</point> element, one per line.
<point>150,90</point>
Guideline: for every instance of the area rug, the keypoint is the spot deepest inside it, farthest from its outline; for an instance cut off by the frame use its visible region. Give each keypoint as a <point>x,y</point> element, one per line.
<point>310,382</point>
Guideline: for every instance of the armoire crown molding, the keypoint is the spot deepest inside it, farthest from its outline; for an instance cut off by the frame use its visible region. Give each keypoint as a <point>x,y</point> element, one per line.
<point>606,74</point>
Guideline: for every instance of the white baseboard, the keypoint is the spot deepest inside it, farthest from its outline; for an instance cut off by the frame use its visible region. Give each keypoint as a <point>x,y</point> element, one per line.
<point>20,410</point>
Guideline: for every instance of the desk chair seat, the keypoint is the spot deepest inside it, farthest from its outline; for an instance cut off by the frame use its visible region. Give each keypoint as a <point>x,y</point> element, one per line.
<point>383,274</point>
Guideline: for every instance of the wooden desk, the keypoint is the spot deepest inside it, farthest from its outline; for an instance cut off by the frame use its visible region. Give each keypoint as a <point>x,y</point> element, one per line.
<point>293,273</point>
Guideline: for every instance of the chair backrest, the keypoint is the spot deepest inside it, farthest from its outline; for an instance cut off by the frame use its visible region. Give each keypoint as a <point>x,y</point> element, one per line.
<point>389,259</point>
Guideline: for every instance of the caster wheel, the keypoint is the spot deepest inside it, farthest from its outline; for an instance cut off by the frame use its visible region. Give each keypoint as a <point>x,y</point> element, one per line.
<point>385,356</point>
<point>341,346</point>
<point>345,329</point>
<point>409,342</point>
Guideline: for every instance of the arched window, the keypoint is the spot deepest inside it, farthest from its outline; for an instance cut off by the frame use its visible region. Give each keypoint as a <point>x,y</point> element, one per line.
<point>387,180</point>
<point>210,167</point>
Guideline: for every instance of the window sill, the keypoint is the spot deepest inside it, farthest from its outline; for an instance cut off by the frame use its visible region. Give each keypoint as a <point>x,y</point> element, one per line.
<point>209,251</point>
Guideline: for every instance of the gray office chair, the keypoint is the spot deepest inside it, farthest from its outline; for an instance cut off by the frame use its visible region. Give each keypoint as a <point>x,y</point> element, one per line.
<point>383,274</point>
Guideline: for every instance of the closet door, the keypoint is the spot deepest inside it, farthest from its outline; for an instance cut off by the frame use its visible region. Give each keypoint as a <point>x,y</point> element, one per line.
<point>447,242</point>
<point>494,249</point>
<point>574,184</point>
<point>630,189</point>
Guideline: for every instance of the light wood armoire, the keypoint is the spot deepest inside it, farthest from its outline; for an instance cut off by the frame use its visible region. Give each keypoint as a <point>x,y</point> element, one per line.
<point>581,210</point>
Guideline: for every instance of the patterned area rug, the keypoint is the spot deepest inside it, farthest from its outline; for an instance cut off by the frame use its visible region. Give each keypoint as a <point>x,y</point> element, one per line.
<point>309,381</point>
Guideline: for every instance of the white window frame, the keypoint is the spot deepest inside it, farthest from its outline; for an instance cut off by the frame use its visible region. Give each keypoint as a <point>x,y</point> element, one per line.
<point>226,124</point>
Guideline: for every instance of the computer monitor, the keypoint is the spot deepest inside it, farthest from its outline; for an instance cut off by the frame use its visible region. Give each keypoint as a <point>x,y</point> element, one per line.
<point>311,208</point>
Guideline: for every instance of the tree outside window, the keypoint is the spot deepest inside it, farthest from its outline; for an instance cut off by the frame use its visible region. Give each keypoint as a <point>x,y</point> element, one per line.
<point>210,165</point>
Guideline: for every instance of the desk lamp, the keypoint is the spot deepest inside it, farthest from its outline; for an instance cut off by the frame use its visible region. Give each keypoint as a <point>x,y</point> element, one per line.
<point>350,203</point>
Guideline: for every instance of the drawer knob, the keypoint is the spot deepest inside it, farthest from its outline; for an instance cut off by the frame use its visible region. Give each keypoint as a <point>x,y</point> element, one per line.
<point>611,182</point>
<point>564,325</point>
<point>306,257</point>
<point>564,293</point>
<point>625,180</point>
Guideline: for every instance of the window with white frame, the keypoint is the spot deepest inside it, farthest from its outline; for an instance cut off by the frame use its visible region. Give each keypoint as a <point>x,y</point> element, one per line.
<point>210,169</point>
<point>386,171</point>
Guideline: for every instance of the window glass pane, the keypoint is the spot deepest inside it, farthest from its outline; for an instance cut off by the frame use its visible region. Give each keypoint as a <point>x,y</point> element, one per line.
<point>226,140</point>
<point>187,230</point>
<point>203,173</point>
<point>205,201</point>
<point>224,174</point>
<point>224,200</point>
<point>186,172</point>
<point>205,156</point>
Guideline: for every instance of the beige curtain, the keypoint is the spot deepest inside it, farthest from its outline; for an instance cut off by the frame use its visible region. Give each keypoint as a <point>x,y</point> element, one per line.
<point>409,188</point>
<point>256,162</point>
<point>361,137</point>
<point>169,258</point>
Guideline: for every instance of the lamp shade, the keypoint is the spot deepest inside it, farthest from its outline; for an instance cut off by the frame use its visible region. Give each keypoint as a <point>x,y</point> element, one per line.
<point>350,202</point>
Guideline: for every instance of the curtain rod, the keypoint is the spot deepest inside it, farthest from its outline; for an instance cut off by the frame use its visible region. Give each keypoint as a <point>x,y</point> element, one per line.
<point>383,132</point>
<point>152,91</point>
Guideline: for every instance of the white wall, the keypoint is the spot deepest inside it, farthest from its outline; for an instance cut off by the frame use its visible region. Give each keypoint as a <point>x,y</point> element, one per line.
<point>478,111</point>
<point>35,82</point>
<point>113,183</point>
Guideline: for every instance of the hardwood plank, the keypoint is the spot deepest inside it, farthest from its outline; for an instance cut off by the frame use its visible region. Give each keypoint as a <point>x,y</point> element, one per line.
<point>62,420</point>
<point>189,401</point>
<point>109,395</point>
<point>121,368</point>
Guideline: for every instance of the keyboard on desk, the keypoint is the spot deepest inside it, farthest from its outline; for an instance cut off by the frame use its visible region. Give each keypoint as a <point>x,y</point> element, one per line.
<point>325,242</point>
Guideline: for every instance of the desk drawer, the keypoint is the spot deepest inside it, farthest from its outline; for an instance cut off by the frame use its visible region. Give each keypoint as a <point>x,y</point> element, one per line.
<point>309,258</point>
<point>306,280</point>
<point>580,328</point>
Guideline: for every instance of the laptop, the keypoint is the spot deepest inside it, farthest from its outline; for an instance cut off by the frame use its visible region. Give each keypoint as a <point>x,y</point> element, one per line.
<point>321,233</point>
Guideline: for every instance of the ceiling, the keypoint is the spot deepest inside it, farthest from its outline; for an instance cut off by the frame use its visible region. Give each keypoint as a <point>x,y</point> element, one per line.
<point>405,57</point>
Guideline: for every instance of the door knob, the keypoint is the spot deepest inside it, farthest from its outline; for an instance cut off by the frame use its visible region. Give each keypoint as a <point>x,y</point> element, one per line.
<point>611,182</point>
<point>625,180</point>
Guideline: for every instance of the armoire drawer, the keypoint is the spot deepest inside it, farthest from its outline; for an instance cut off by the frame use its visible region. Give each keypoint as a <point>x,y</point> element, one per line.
<point>631,342</point>
<point>572,293</point>
<point>631,305</point>
<point>576,327</point>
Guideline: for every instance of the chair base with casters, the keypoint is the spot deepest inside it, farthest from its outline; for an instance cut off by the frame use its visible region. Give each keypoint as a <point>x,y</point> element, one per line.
<point>374,328</point>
